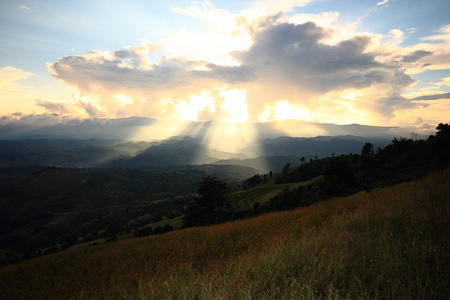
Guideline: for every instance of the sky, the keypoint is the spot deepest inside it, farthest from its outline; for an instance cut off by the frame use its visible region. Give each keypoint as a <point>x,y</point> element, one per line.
<point>376,63</point>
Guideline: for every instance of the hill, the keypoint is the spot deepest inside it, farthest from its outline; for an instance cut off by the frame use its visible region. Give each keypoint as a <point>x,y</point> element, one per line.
<point>391,243</point>
<point>56,208</point>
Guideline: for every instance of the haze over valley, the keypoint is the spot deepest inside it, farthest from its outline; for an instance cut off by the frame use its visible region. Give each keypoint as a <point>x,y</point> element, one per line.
<point>256,149</point>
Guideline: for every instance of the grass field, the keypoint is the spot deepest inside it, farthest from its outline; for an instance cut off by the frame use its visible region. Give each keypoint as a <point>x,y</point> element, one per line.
<point>392,243</point>
<point>263,193</point>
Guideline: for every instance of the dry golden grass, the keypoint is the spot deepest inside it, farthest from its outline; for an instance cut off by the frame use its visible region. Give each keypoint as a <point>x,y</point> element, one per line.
<point>392,243</point>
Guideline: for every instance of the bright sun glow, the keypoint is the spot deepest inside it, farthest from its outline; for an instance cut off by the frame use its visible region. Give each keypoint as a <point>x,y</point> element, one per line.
<point>200,108</point>
<point>283,110</point>
<point>204,107</point>
<point>235,105</point>
<point>124,100</point>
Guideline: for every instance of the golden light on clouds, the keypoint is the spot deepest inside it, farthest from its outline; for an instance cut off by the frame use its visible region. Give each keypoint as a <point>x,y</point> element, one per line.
<point>234,105</point>
<point>199,108</point>
<point>124,100</point>
<point>270,61</point>
<point>283,110</point>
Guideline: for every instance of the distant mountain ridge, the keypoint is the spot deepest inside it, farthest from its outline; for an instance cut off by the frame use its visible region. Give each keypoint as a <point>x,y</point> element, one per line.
<point>265,154</point>
<point>141,128</point>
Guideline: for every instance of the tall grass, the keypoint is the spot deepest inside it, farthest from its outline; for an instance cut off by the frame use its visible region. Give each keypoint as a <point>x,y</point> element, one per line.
<point>392,243</point>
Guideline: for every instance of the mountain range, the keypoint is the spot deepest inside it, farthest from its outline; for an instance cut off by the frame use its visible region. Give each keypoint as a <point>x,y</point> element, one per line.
<point>265,154</point>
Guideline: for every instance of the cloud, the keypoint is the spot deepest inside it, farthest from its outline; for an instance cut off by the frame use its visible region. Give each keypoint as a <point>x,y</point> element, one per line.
<point>443,35</point>
<point>9,77</point>
<point>55,107</point>
<point>290,62</point>
<point>302,66</point>
<point>322,19</point>
<point>126,81</point>
<point>439,47</point>
<point>49,124</point>
<point>99,71</point>
<point>417,55</point>
<point>397,36</point>
<point>226,32</point>
<point>384,3</point>
<point>269,7</point>
<point>14,96</point>
<point>80,108</point>
<point>445,81</point>
<point>285,62</point>
<point>433,97</point>
<point>294,55</point>
<point>23,7</point>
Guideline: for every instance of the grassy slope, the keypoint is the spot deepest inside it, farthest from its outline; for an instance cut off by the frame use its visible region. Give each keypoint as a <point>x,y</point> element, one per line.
<point>392,243</point>
<point>263,193</point>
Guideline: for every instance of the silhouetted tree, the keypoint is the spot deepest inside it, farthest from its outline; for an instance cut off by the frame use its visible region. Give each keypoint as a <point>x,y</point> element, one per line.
<point>210,207</point>
<point>443,130</point>
<point>367,150</point>
<point>302,159</point>
<point>339,178</point>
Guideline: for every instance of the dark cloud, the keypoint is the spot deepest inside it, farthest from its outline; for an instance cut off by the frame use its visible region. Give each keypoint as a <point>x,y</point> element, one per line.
<point>293,54</point>
<point>237,74</point>
<point>54,107</point>
<point>91,110</point>
<point>433,97</point>
<point>286,61</point>
<point>283,53</point>
<point>416,56</point>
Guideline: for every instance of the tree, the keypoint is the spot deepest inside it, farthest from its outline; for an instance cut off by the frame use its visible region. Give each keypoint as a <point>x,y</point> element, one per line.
<point>211,206</point>
<point>252,182</point>
<point>367,150</point>
<point>339,178</point>
<point>302,159</point>
<point>286,167</point>
<point>443,130</point>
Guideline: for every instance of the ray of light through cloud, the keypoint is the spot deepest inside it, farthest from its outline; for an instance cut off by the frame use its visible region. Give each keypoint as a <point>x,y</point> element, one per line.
<point>230,63</point>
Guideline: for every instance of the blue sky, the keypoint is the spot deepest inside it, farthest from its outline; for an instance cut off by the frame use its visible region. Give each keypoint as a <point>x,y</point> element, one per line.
<point>373,62</point>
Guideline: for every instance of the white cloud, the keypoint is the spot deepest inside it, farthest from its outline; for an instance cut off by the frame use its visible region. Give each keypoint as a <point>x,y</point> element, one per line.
<point>384,3</point>
<point>438,45</point>
<point>277,65</point>
<point>225,33</point>
<point>23,7</point>
<point>397,36</point>
<point>9,77</point>
<point>443,35</point>
<point>322,19</point>
<point>269,7</point>
<point>445,81</point>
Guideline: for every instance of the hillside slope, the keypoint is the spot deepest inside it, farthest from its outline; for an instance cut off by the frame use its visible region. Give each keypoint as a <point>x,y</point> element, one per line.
<point>391,243</point>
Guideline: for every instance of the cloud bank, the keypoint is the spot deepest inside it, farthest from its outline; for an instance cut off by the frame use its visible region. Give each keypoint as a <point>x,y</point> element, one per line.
<point>263,63</point>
